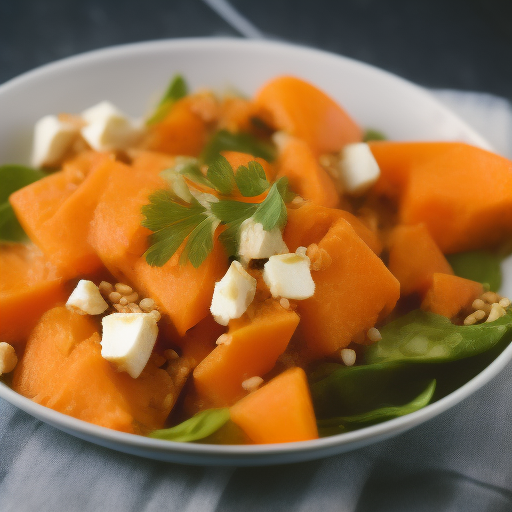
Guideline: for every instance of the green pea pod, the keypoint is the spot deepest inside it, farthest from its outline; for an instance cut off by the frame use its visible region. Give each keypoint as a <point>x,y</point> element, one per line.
<point>340,424</point>
<point>426,337</point>
<point>198,427</point>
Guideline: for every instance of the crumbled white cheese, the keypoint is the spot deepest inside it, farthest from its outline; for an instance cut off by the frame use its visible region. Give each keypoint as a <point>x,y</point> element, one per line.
<point>256,243</point>
<point>128,340</point>
<point>358,168</point>
<point>232,294</point>
<point>289,276</point>
<point>52,139</point>
<point>108,128</point>
<point>86,299</point>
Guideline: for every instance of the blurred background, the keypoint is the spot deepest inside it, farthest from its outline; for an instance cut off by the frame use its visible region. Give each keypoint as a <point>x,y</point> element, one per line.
<point>454,44</point>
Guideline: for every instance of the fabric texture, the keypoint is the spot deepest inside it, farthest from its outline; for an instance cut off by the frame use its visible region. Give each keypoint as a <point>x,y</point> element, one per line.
<point>460,461</point>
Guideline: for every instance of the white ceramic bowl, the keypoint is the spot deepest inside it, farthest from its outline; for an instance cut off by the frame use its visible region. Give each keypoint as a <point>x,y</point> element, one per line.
<point>133,77</point>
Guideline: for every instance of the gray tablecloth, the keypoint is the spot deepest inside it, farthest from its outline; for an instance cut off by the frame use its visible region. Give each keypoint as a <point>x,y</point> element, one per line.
<point>460,461</point>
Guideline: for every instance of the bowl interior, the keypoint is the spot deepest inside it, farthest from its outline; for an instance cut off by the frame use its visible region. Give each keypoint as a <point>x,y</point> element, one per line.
<point>133,77</point>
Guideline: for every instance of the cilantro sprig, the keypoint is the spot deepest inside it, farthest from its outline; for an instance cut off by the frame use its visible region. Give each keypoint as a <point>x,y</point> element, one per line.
<point>176,217</point>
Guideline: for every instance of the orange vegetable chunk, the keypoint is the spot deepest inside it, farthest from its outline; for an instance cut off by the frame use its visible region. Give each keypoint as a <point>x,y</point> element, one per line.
<point>295,106</point>
<point>30,285</point>
<point>62,368</point>
<point>56,212</point>
<point>449,295</point>
<point>181,132</point>
<point>309,223</point>
<point>464,198</point>
<point>351,294</point>
<point>414,257</point>
<point>256,340</point>
<point>306,176</point>
<point>396,159</point>
<point>279,412</point>
<point>116,225</point>
<point>182,292</point>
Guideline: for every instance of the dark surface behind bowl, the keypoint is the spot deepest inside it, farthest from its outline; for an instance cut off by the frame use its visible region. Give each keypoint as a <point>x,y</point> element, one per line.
<point>458,44</point>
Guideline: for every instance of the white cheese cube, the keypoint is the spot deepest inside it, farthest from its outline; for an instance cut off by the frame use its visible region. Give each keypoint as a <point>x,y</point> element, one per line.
<point>289,276</point>
<point>358,168</point>
<point>86,299</point>
<point>52,139</point>
<point>232,294</point>
<point>256,243</point>
<point>108,128</point>
<point>128,340</point>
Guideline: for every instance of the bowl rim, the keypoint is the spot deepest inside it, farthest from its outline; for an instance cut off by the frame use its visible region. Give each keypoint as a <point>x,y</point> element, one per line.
<point>245,454</point>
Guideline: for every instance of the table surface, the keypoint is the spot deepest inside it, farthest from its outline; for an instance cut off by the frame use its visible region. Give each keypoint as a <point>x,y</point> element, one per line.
<point>458,462</point>
<point>458,44</point>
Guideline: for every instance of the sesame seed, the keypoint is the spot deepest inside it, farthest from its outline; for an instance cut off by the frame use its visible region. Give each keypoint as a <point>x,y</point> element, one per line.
<point>348,356</point>
<point>156,314</point>
<point>171,354</point>
<point>147,305</point>
<point>105,288</point>
<point>133,297</point>
<point>490,297</point>
<point>123,289</point>
<point>134,308</point>
<point>252,384</point>
<point>374,334</point>
<point>479,314</point>
<point>121,309</point>
<point>168,401</point>
<point>478,304</point>
<point>224,339</point>
<point>285,303</point>
<point>8,358</point>
<point>470,320</point>
<point>123,301</point>
<point>114,297</point>
<point>504,302</point>
<point>301,251</point>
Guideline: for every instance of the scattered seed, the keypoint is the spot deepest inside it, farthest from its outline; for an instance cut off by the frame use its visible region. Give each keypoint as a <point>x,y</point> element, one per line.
<point>497,311</point>
<point>285,303</point>
<point>8,358</point>
<point>479,314</point>
<point>478,304</point>
<point>252,384</point>
<point>470,320</point>
<point>301,251</point>
<point>168,401</point>
<point>121,309</point>
<point>348,356</point>
<point>133,297</point>
<point>105,288</point>
<point>504,302</point>
<point>171,354</point>
<point>123,301</point>
<point>374,334</point>
<point>114,297</point>
<point>156,314</point>
<point>147,305</point>
<point>224,339</point>
<point>490,297</point>
<point>134,308</point>
<point>123,289</point>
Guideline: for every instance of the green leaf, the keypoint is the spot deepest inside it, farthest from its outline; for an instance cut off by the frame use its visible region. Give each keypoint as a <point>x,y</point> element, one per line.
<point>221,176</point>
<point>198,427</point>
<point>371,134</point>
<point>12,178</point>
<point>200,242</point>
<point>420,336</point>
<point>481,266</point>
<point>272,211</point>
<point>340,424</point>
<point>189,168</point>
<point>171,223</point>
<point>176,90</point>
<point>233,211</point>
<point>224,140</point>
<point>251,179</point>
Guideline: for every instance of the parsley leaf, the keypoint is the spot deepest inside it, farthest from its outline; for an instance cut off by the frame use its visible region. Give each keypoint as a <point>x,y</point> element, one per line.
<point>224,140</point>
<point>272,211</point>
<point>371,134</point>
<point>200,242</point>
<point>251,179</point>
<point>176,90</point>
<point>189,168</point>
<point>221,176</point>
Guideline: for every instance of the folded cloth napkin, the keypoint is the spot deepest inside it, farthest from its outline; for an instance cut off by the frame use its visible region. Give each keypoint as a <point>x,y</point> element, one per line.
<point>460,461</point>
